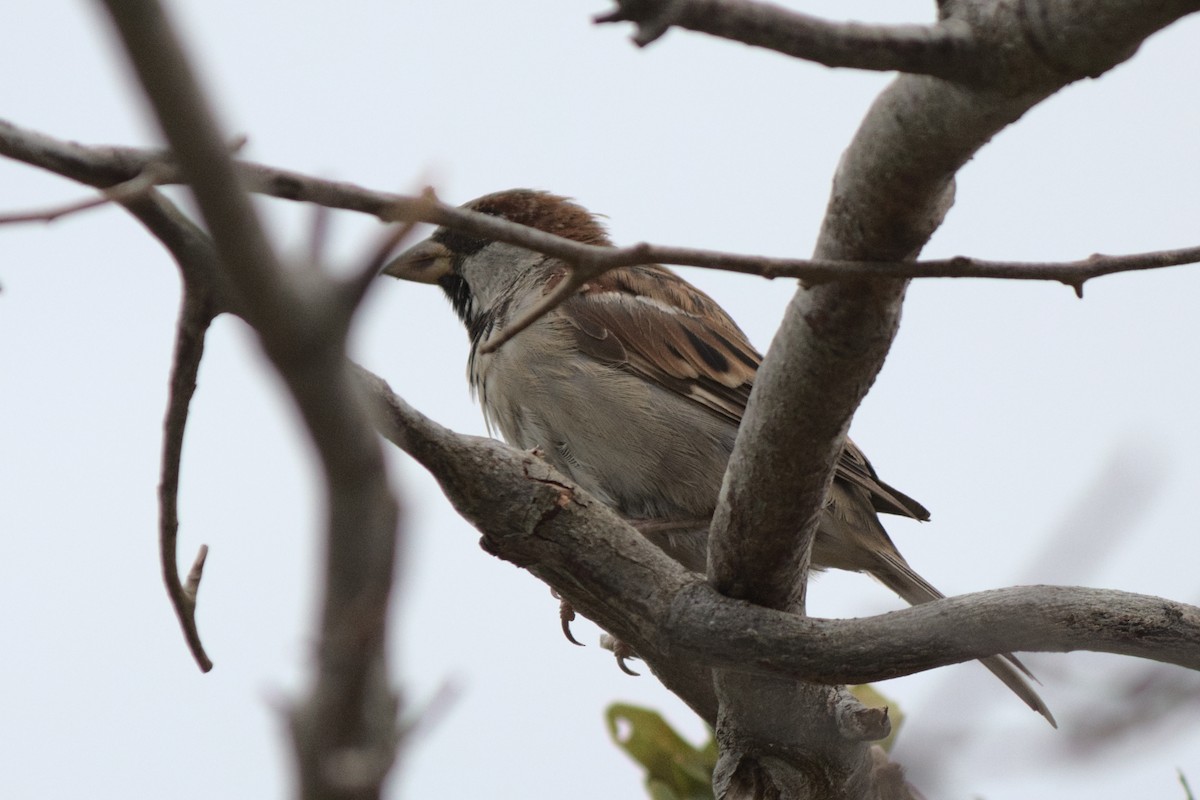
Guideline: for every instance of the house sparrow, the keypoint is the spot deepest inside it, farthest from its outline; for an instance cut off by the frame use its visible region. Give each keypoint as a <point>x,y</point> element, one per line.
<point>635,387</point>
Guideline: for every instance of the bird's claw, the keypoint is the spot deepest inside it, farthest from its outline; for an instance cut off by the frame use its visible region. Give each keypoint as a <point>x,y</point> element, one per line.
<point>566,614</point>
<point>621,650</point>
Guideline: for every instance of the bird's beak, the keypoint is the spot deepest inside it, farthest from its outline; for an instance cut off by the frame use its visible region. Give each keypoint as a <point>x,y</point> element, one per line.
<point>425,262</point>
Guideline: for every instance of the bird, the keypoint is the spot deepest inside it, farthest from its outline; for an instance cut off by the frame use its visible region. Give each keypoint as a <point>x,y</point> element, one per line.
<point>634,387</point>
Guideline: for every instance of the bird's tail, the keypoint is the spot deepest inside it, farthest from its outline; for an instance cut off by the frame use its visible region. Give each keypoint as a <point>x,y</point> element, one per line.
<point>894,573</point>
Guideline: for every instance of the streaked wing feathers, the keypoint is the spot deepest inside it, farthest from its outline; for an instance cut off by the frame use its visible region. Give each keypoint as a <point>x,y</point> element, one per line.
<point>658,326</point>
<point>655,324</point>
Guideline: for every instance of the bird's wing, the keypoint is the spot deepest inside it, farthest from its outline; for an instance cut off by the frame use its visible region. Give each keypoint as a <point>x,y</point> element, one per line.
<point>653,323</point>
<point>853,467</point>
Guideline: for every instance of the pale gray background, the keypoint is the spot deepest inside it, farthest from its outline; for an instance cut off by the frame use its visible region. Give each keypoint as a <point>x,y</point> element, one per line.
<point>1014,411</point>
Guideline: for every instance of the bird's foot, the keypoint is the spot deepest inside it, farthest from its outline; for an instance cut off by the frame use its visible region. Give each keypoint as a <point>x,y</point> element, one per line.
<point>621,650</point>
<point>566,615</point>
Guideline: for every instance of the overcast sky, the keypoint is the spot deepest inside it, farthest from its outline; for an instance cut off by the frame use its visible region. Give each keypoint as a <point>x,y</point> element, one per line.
<point>1054,440</point>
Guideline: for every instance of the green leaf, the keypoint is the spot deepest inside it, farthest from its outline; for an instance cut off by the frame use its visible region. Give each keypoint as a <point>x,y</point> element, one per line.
<point>675,769</point>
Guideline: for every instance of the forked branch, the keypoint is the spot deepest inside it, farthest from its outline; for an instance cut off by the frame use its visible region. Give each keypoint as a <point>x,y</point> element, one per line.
<point>195,314</point>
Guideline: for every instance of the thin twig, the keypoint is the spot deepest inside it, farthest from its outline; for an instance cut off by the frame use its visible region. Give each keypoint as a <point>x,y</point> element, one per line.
<point>153,174</point>
<point>594,261</point>
<point>91,164</point>
<point>195,314</point>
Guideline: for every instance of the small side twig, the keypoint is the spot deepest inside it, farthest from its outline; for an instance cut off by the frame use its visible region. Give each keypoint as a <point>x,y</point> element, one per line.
<point>153,174</point>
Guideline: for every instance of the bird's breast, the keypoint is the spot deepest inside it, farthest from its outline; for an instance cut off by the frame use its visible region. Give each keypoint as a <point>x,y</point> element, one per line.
<point>646,451</point>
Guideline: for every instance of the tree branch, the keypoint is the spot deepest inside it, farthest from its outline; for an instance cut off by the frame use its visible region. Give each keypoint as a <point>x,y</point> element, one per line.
<point>153,175</point>
<point>972,43</point>
<point>101,166</point>
<point>1049,619</point>
<point>345,732</point>
<point>892,189</point>
<point>537,519</point>
<point>195,314</point>
<point>945,50</point>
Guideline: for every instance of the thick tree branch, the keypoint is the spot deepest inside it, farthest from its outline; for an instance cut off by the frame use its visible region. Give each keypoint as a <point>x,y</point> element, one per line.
<point>946,50</point>
<point>1050,619</point>
<point>891,191</point>
<point>972,43</point>
<point>537,519</point>
<point>345,731</point>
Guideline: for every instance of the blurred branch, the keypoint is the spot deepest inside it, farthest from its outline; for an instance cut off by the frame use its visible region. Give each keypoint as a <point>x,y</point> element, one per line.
<point>154,174</point>
<point>1145,699</point>
<point>357,285</point>
<point>345,731</point>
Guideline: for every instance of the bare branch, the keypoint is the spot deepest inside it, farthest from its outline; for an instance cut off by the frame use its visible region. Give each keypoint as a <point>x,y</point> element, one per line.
<point>1056,619</point>
<point>536,518</point>
<point>203,298</point>
<point>972,44</point>
<point>153,174</point>
<point>507,494</point>
<point>345,732</point>
<point>946,50</point>
<point>192,586</point>
<point>204,164</point>
<point>94,165</point>
<point>592,261</point>
<point>891,191</point>
<point>195,314</point>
